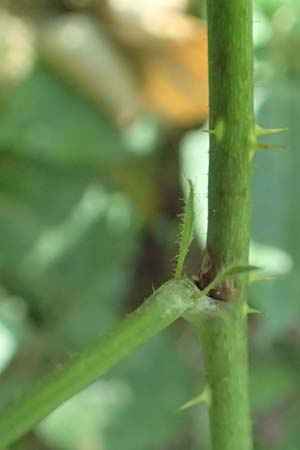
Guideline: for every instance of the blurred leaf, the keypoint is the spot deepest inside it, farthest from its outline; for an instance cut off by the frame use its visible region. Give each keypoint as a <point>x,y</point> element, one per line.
<point>67,243</point>
<point>268,390</point>
<point>44,119</point>
<point>272,260</point>
<point>150,419</point>
<point>276,218</point>
<point>82,421</point>
<point>7,346</point>
<point>66,239</point>
<point>136,406</point>
<point>275,402</point>
<point>269,7</point>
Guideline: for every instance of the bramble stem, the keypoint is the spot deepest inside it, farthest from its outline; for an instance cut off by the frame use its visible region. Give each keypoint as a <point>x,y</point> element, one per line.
<point>224,339</point>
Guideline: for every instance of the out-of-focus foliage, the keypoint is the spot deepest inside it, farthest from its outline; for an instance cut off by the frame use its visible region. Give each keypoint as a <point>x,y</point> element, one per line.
<point>80,193</point>
<point>99,101</point>
<point>276,223</point>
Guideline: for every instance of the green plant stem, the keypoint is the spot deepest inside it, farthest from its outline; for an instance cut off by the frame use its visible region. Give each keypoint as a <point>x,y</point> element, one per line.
<point>224,339</point>
<point>160,310</point>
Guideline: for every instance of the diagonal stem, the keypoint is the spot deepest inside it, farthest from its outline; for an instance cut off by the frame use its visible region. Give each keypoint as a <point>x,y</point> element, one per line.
<point>172,300</point>
<point>161,309</point>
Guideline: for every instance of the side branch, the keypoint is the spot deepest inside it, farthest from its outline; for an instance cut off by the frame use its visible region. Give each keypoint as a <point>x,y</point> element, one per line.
<point>161,309</point>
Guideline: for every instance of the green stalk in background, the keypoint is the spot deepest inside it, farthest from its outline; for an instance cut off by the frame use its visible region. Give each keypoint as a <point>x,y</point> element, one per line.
<point>224,338</point>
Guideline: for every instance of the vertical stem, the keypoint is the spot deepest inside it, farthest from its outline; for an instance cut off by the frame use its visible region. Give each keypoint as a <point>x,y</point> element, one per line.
<point>224,339</point>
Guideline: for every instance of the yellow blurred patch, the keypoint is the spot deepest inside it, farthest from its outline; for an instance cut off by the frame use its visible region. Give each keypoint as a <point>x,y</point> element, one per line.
<point>176,72</point>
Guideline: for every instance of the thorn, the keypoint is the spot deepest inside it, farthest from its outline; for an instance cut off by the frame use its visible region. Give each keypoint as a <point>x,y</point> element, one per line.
<point>203,397</point>
<point>248,310</point>
<point>253,278</point>
<point>260,146</point>
<point>209,131</point>
<point>262,131</point>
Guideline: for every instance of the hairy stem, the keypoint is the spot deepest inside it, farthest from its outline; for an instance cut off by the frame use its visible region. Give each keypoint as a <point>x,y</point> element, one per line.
<point>161,309</point>
<point>224,338</point>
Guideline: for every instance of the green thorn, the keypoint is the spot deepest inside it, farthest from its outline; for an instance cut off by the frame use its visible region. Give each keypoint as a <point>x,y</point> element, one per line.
<point>253,278</point>
<point>262,131</point>
<point>248,310</point>
<point>218,131</point>
<point>203,397</point>
<point>269,147</point>
<point>209,131</point>
<point>254,145</point>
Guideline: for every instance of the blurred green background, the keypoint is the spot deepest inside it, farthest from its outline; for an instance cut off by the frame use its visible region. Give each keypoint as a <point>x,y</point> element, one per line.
<point>101,109</point>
